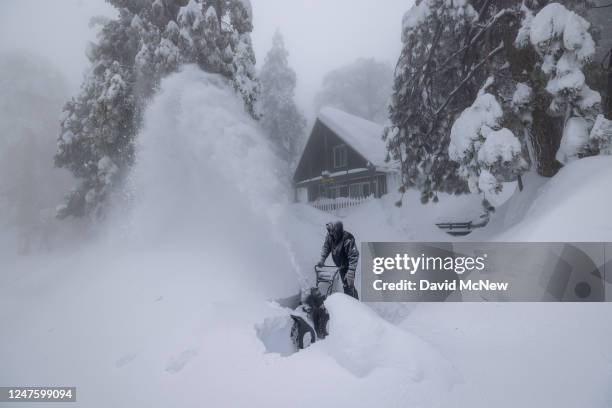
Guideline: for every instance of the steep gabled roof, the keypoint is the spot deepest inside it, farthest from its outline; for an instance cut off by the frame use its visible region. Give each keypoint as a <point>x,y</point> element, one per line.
<point>361,134</point>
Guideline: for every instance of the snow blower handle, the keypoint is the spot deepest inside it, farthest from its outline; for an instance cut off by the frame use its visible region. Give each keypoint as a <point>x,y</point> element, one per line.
<point>323,270</point>
<point>326,276</point>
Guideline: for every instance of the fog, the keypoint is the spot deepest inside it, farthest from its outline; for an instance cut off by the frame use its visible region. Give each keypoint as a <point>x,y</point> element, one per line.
<point>57,30</point>
<point>320,34</point>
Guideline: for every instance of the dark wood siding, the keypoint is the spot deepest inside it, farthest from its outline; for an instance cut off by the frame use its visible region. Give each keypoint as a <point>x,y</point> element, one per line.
<point>318,155</point>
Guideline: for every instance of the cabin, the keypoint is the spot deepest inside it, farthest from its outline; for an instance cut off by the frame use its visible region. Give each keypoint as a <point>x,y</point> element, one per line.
<point>344,161</point>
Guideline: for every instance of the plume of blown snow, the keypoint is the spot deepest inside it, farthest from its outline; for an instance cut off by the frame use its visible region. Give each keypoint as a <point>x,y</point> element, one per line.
<point>205,178</point>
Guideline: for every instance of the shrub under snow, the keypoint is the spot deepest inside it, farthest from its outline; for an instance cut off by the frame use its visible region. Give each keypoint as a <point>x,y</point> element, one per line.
<point>488,153</point>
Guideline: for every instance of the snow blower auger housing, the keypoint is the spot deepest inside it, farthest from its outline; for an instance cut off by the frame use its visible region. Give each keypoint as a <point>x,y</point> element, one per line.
<point>311,317</point>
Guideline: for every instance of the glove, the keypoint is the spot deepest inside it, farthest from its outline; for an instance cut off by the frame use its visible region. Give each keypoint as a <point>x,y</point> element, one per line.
<point>350,278</point>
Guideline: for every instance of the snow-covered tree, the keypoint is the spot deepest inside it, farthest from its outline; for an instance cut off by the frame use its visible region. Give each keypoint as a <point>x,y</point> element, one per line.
<point>540,45</point>
<point>563,43</point>
<point>488,153</point>
<point>450,48</point>
<point>431,86</point>
<point>600,71</point>
<point>362,88</point>
<point>147,41</point>
<point>282,120</point>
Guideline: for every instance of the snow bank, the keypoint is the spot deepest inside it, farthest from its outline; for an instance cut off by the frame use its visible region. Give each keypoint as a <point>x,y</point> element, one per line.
<point>382,220</point>
<point>572,206</point>
<point>521,354</point>
<point>363,343</point>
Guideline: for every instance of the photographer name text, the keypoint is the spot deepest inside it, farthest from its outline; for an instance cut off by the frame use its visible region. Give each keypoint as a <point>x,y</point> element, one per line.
<point>426,285</point>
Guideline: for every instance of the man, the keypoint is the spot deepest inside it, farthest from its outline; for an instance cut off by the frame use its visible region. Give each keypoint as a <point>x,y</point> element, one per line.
<point>341,245</point>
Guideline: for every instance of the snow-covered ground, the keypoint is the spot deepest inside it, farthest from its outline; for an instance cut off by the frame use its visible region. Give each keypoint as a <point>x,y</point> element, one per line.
<point>168,303</point>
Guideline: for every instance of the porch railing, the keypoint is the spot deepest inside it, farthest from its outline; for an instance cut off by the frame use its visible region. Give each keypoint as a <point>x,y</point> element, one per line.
<point>334,204</point>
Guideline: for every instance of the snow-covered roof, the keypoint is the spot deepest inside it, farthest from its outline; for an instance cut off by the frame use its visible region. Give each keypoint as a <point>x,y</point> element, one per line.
<point>361,134</point>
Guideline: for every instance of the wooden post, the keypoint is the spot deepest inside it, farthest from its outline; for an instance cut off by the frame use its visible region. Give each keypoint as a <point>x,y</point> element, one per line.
<point>372,171</point>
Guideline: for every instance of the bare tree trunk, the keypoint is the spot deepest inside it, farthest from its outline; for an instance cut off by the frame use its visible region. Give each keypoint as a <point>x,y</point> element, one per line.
<point>546,138</point>
<point>608,105</point>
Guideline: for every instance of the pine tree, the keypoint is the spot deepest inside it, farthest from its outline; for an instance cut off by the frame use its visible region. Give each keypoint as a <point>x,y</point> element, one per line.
<point>430,88</point>
<point>450,51</point>
<point>564,46</point>
<point>147,41</point>
<point>282,120</point>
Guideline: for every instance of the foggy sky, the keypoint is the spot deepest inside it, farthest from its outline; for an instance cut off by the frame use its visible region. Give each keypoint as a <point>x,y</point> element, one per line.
<point>320,34</point>
<point>324,34</point>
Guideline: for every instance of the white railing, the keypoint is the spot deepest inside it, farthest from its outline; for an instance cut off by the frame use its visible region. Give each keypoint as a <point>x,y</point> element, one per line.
<point>335,204</point>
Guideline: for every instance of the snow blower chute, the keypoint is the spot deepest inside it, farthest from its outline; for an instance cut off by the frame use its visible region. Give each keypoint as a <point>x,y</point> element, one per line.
<point>311,317</point>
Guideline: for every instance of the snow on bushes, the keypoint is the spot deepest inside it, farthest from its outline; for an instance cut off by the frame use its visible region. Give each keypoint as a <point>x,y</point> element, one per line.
<point>601,135</point>
<point>522,99</point>
<point>556,29</point>
<point>488,153</point>
<point>420,12</point>
<point>575,137</point>
<point>562,40</point>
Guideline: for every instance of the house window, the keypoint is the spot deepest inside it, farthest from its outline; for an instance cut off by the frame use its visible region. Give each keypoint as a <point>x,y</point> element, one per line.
<point>359,190</point>
<point>365,187</point>
<point>340,156</point>
<point>343,191</point>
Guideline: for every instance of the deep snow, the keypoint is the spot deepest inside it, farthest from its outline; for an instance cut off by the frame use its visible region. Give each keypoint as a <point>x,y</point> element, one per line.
<point>165,306</point>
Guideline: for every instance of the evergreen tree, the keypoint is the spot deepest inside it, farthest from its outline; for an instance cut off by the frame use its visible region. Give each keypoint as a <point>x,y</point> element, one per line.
<point>451,49</point>
<point>431,86</point>
<point>282,120</point>
<point>563,45</point>
<point>147,41</point>
<point>488,153</point>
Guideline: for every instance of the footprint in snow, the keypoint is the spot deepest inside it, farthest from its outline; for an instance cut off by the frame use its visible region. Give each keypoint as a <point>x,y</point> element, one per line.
<point>125,360</point>
<point>177,363</point>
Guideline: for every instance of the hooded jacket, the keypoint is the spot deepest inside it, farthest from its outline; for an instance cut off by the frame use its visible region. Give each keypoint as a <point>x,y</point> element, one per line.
<point>343,251</point>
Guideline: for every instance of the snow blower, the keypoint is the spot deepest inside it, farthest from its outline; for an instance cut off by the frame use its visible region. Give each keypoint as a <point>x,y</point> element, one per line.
<point>311,317</point>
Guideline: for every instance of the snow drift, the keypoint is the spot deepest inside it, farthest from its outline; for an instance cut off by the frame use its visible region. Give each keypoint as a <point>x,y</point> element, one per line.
<point>573,214</point>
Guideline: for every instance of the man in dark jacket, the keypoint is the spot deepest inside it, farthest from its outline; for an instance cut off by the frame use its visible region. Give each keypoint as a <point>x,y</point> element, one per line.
<point>341,245</point>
